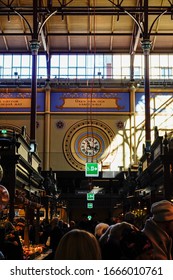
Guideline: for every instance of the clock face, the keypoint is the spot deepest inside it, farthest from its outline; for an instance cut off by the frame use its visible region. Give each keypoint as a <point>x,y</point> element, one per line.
<point>87,141</point>
<point>90,146</point>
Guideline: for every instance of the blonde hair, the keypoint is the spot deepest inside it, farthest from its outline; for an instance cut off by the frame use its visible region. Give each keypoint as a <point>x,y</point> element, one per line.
<point>78,245</point>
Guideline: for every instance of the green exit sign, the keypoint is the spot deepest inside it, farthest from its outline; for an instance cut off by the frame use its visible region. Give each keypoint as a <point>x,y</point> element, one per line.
<point>90,196</point>
<point>3,131</point>
<point>89,205</point>
<point>91,169</point>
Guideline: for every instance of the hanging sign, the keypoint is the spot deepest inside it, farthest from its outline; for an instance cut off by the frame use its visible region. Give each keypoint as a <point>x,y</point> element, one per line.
<point>91,169</point>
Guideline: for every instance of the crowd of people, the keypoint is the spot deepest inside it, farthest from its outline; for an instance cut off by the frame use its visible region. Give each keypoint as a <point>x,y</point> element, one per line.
<point>122,240</point>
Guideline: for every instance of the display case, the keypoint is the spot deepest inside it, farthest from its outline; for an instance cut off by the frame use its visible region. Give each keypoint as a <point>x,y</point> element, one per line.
<point>21,176</point>
<point>157,175</point>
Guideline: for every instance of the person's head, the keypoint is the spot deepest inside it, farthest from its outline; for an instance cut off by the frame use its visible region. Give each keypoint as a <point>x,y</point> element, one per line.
<point>135,245</point>
<point>54,222</point>
<point>162,212</point>
<point>110,240</point>
<point>72,224</point>
<point>118,230</point>
<point>78,245</point>
<point>129,217</point>
<point>20,226</point>
<point>100,229</point>
<point>9,227</point>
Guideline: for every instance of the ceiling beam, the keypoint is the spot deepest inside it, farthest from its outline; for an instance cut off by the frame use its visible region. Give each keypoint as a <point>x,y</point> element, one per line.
<point>136,30</point>
<point>156,30</point>
<point>154,33</point>
<point>83,10</point>
<point>4,37</point>
<point>23,27</point>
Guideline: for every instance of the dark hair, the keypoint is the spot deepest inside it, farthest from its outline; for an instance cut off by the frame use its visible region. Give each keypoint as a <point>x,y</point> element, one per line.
<point>134,243</point>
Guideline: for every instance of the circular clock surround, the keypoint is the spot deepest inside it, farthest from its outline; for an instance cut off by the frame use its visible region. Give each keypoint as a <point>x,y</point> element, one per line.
<point>87,141</point>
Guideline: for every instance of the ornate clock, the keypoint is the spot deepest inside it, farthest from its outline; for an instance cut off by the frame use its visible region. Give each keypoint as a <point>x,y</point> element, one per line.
<point>90,146</point>
<point>87,141</point>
